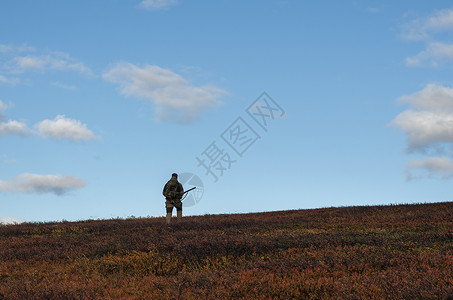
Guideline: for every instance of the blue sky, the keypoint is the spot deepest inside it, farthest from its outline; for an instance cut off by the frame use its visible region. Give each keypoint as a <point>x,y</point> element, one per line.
<point>102,100</point>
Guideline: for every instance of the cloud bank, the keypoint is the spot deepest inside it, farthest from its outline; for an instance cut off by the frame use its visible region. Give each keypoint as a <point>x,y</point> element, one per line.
<point>41,184</point>
<point>428,124</point>
<point>64,128</point>
<point>174,98</point>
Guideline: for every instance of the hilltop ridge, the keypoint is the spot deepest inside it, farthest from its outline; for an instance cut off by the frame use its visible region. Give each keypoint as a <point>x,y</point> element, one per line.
<point>394,251</point>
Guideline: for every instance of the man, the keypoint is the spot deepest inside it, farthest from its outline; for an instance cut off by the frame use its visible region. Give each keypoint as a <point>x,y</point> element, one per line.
<point>173,192</point>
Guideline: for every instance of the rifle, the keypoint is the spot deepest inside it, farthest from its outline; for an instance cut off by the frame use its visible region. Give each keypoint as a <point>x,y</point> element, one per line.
<point>190,190</point>
<point>183,197</point>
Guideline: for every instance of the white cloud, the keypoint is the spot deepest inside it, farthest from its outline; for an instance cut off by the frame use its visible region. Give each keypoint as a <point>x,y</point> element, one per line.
<point>60,62</point>
<point>441,20</point>
<point>13,127</point>
<point>65,128</point>
<point>430,167</point>
<point>15,61</point>
<point>373,10</point>
<point>157,4</point>
<point>434,54</point>
<point>63,86</point>
<point>30,62</point>
<point>34,183</point>
<point>6,160</point>
<point>433,97</point>
<point>429,121</point>
<point>431,30</point>
<point>7,80</point>
<point>5,48</point>
<point>60,128</point>
<point>3,106</point>
<point>424,28</point>
<point>9,221</point>
<point>12,48</point>
<point>172,95</point>
<point>425,129</point>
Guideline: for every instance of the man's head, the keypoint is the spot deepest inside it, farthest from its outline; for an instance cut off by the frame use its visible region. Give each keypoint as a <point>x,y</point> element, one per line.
<point>174,175</point>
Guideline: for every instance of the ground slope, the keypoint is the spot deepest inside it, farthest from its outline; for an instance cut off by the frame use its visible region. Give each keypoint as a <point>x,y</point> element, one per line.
<point>382,252</point>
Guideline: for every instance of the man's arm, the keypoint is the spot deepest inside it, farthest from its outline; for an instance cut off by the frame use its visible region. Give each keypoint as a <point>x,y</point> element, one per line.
<point>181,188</point>
<point>164,192</point>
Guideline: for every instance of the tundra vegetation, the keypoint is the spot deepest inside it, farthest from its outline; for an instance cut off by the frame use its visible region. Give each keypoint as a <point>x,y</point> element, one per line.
<point>381,252</point>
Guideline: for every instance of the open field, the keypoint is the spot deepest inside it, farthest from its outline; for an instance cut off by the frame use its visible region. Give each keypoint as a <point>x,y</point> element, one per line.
<point>380,252</point>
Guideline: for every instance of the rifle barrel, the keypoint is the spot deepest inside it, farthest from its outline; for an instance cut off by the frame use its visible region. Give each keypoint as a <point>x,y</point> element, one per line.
<point>190,189</point>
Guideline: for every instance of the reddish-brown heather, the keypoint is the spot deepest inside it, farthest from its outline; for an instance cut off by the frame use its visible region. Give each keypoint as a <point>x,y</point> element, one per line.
<point>369,252</point>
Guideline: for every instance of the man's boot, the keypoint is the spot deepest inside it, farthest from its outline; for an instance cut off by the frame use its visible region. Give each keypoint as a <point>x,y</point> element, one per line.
<point>168,218</point>
<point>179,213</point>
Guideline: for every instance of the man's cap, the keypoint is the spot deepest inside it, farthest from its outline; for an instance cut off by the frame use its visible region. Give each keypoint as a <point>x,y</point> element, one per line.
<point>174,175</point>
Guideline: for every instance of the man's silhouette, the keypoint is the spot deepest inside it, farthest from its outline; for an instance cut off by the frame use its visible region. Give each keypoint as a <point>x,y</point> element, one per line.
<point>173,192</point>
